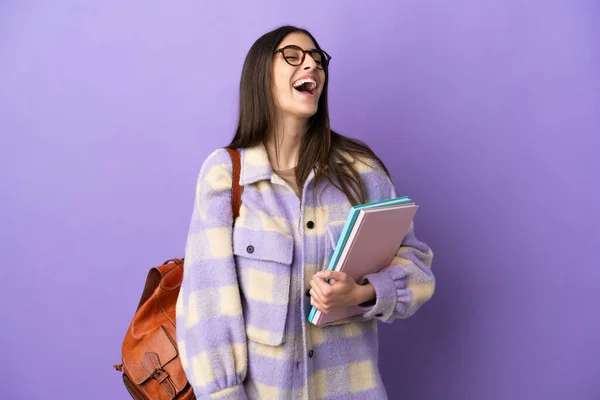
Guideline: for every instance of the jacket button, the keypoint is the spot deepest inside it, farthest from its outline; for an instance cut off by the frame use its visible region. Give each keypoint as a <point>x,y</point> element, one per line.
<point>311,354</point>
<point>250,249</point>
<point>310,224</point>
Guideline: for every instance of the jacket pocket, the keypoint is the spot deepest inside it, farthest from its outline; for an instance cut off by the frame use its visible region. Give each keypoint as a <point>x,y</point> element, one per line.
<point>263,260</point>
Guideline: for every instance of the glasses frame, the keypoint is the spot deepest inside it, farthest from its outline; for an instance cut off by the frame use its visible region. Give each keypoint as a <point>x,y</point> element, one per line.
<point>324,64</point>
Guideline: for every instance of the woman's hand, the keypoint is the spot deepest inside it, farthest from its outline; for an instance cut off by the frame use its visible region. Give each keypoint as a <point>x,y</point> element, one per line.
<point>341,291</point>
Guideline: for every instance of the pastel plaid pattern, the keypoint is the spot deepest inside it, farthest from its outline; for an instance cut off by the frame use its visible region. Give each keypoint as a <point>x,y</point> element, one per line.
<point>242,327</point>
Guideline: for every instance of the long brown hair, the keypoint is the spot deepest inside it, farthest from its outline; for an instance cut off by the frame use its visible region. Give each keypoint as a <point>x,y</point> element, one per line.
<point>321,148</point>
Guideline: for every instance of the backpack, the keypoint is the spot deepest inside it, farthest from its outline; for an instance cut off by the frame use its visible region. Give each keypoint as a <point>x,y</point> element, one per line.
<point>151,367</point>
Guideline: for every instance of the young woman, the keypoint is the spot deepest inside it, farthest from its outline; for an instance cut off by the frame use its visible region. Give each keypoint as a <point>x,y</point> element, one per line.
<point>249,284</point>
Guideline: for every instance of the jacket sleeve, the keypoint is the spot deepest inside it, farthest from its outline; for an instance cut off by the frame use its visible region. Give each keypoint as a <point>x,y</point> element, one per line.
<point>211,336</point>
<point>403,287</point>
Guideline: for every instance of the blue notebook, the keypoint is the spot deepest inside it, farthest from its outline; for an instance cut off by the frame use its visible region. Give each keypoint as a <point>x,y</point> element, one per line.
<point>350,220</point>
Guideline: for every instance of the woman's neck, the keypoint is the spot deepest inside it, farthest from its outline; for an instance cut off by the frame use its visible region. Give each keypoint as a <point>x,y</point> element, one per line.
<point>284,141</point>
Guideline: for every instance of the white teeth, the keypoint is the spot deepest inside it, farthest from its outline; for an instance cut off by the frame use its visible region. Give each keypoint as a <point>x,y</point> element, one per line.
<point>313,83</point>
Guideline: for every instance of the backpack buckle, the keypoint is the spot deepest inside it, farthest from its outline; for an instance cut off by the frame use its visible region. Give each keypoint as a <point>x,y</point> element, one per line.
<point>160,375</point>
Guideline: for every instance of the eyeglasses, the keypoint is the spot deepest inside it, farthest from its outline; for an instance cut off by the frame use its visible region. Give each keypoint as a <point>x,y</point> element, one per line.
<point>294,55</point>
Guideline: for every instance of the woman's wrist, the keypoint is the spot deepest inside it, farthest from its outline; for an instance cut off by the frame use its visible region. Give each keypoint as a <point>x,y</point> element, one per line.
<point>366,293</point>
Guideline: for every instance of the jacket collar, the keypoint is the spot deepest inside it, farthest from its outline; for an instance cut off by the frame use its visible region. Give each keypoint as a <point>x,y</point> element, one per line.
<point>256,165</point>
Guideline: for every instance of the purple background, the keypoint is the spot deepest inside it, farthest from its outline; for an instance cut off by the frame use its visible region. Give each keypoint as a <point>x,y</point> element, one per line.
<point>487,113</point>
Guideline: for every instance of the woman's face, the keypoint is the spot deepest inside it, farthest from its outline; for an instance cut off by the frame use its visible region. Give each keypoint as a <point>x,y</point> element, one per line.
<point>294,87</point>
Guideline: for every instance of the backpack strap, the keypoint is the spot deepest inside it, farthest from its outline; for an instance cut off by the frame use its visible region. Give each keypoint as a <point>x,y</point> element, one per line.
<point>236,189</point>
<point>236,194</point>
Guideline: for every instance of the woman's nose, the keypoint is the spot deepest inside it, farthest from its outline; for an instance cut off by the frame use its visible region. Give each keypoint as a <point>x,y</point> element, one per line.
<point>309,63</point>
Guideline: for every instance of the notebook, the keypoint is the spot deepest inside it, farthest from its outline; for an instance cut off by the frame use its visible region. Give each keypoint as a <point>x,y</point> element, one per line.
<point>368,243</point>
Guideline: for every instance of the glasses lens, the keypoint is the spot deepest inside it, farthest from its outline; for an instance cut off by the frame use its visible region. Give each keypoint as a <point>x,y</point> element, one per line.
<point>292,55</point>
<point>319,57</point>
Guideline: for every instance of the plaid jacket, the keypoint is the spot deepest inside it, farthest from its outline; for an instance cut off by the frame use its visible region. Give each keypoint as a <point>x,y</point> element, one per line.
<point>242,327</point>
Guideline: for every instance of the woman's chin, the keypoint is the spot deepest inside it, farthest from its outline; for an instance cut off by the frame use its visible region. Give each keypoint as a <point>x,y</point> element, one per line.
<point>305,111</point>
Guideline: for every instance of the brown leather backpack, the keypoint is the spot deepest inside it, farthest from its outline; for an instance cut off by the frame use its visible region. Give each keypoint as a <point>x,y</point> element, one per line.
<point>150,359</point>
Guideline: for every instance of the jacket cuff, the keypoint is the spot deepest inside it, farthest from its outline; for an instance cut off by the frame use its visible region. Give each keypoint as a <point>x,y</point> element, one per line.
<point>390,291</point>
<point>231,393</point>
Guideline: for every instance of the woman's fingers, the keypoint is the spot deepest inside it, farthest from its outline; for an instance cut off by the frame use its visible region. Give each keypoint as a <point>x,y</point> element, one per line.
<point>323,288</point>
<point>314,301</point>
<point>323,291</point>
<point>316,294</point>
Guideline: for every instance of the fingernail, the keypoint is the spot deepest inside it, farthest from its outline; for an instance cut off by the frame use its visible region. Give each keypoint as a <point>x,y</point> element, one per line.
<point>320,273</point>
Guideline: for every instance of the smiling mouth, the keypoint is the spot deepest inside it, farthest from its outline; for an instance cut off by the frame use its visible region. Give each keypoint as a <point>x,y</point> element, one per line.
<point>306,86</point>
